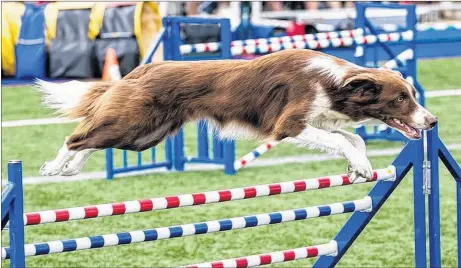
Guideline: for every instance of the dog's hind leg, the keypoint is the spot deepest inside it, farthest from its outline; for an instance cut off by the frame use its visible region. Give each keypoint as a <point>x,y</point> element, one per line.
<point>75,166</point>
<point>55,166</point>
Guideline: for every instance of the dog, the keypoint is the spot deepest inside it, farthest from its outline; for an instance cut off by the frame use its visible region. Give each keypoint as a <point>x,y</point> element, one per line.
<point>302,97</point>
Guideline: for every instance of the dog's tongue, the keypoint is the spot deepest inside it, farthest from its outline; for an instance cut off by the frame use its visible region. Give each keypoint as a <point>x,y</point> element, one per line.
<point>412,131</point>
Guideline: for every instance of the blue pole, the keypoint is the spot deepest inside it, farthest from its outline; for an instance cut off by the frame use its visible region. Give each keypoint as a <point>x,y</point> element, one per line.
<point>169,152</point>
<point>152,154</point>
<point>458,220</point>
<point>226,39</point>
<point>229,156</point>
<point>360,55</point>
<point>452,166</point>
<point>175,149</point>
<point>202,139</point>
<point>419,203</point>
<point>167,40</point>
<point>109,163</point>
<point>227,147</point>
<point>360,24</point>
<point>179,158</point>
<point>125,158</point>
<point>139,157</point>
<point>411,21</point>
<point>16,212</point>
<point>175,37</point>
<point>434,202</point>
<point>217,146</point>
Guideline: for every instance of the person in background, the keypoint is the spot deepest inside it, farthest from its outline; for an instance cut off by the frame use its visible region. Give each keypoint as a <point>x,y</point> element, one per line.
<point>273,6</point>
<point>308,5</point>
<point>191,8</point>
<point>314,5</point>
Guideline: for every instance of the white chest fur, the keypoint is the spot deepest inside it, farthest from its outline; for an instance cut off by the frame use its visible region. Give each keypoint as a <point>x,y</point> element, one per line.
<point>322,116</point>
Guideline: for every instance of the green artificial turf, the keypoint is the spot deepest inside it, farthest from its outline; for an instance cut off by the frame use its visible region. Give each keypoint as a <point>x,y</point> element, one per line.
<point>439,74</point>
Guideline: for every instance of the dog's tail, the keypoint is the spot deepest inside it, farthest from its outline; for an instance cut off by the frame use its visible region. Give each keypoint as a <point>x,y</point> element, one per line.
<point>72,99</point>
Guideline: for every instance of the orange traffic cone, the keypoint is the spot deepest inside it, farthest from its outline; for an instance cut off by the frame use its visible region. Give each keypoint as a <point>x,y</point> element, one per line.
<point>111,70</point>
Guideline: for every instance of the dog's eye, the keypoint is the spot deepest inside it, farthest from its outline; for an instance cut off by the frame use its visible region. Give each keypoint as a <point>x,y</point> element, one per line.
<point>400,98</point>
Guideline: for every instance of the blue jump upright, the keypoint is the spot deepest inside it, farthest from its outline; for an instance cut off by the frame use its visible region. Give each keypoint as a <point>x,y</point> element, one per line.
<point>112,169</point>
<point>13,210</point>
<point>412,156</point>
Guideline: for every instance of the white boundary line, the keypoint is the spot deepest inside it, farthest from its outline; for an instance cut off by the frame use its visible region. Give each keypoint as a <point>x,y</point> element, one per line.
<point>100,175</point>
<point>442,93</point>
<point>60,120</point>
<point>38,122</point>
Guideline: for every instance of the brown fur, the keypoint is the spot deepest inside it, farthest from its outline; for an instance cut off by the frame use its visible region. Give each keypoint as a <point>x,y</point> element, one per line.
<point>271,95</point>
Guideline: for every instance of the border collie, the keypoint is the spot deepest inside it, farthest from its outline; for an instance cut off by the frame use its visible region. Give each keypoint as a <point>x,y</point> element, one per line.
<point>302,97</point>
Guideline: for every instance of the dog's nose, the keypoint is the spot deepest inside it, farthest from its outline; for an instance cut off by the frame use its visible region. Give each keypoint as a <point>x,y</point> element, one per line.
<point>431,121</point>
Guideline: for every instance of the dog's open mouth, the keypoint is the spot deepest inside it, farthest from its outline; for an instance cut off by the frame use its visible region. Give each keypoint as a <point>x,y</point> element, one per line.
<point>406,129</point>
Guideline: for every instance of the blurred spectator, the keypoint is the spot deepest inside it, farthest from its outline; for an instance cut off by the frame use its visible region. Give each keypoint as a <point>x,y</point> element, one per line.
<point>192,8</point>
<point>307,5</point>
<point>273,6</point>
<point>314,5</point>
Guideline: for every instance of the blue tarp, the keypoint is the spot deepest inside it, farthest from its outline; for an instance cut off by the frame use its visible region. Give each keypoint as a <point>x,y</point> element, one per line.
<point>30,48</point>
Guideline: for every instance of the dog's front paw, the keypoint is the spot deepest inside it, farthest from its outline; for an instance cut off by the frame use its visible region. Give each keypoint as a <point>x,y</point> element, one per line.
<point>359,167</point>
<point>49,169</point>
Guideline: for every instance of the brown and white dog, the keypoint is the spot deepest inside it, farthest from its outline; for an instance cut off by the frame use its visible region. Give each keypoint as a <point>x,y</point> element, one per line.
<point>301,97</point>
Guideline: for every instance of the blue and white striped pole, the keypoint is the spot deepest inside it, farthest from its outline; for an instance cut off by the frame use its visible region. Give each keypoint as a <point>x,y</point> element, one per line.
<point>100,241</point>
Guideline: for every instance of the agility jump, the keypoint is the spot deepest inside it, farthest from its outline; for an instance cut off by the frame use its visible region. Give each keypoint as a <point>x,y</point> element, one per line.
<point>329,253</point>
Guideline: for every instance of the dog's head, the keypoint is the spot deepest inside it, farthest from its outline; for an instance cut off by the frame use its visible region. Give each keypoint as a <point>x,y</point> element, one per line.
<point>385,95</point>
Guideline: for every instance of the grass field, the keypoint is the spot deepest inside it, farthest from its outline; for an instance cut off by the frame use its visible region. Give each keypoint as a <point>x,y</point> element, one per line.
<point>386,242</point>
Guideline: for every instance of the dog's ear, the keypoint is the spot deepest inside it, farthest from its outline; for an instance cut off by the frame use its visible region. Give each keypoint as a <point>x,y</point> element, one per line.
<point>361,88</point>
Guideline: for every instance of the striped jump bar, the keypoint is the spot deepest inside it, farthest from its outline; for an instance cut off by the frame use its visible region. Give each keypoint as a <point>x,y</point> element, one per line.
<point>273,257</point>
<point>301,44</point>
<point>143,205</point>
<point>215,46</point>
<point>425,27</point>
<point>305,37</point>
<point>400,58</point>
<point>222,225</point>
<point>263,148</point>
<point>321,44</point>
